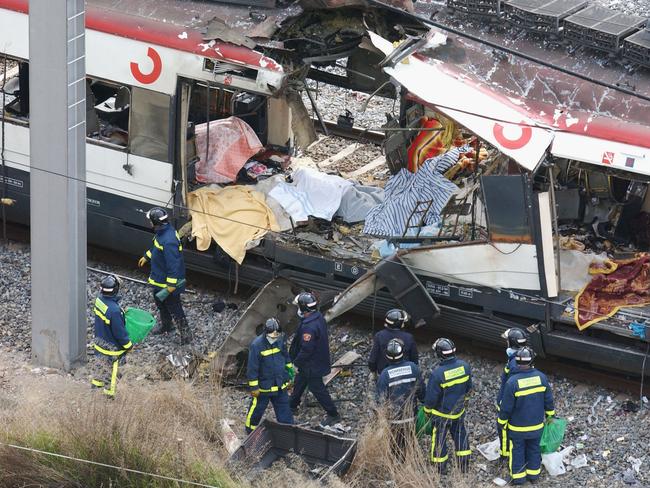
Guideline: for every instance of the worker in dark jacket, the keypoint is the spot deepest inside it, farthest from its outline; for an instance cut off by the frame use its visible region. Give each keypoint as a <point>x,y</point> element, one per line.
<point>111,339</point>
<point>310,353</point>
<point>400,386</point>
<point>268,376</point>
<point>167,272</point>
<point>448,386</point>
<point>515,338</point>
<point>527,401</point>
<point>394,322</point>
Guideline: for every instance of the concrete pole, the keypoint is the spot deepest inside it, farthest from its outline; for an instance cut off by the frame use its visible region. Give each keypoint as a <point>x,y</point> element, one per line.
<point>57,118</point>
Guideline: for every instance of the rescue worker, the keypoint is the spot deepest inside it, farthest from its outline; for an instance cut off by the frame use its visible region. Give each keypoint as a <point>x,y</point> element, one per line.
<point>167,271</point>
<point>111,339</point>
<point>311,356</point>
<point>400,385</point>
<point>268,376</point>
<point>527,401</point>
<point>394,322</point>
<point>448,386</point>
<point>515,338</point>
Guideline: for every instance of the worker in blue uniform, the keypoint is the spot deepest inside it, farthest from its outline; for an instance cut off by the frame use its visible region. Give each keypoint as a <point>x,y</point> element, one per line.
<point>527,402</point>
<point>400,386</point>
<point>448,386</point>
<point>111,339</point>
<point>167,272</point>
<point>515,338</point>
<point>310,353</point>
<point>268,376</point>
<point>394,322</point>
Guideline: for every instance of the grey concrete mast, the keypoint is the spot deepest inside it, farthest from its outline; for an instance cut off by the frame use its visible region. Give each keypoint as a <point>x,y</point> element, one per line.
<point>57,72</point>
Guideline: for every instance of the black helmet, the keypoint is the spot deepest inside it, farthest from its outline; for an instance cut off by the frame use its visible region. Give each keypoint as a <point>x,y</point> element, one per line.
<point>525,356</point>
<point>157,216</point>
<point>516,337</point>
<point>306,302</point>
<point>394,350</point>
<point>272,325</point>
<point>396,318</point>
<point>110,285</point>
<point>444,348</point>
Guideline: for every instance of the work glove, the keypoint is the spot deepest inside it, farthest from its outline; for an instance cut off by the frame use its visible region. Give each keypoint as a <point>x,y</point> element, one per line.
<point>142,261</point>
<point>255,393</point>
<point>171,289</point>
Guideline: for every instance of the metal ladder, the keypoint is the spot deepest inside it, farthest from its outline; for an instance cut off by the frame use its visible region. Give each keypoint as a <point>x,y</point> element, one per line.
<point>422,213</point>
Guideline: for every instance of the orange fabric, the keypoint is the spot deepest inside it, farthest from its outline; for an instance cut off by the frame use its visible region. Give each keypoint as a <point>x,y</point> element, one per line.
<point>627,286</point>
<point>429,144</point>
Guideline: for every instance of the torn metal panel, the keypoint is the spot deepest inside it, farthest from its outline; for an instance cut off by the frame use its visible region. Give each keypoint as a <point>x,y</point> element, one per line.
<point>354,294</point>
<point>324,454</point>
<point>217,29</point>
<point>273,300</point>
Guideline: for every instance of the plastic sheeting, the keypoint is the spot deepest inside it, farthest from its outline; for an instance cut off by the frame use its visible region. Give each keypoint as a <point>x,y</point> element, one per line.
<point>232,142</point>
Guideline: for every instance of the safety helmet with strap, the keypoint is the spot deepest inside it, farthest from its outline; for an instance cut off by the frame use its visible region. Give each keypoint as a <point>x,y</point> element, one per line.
<point>444,348</point>
<point>395,318</point>
<point>158,216</point>
<point>110,285</point>
<point>306,302</point>
<point>516,337</point>
<point>394,350</point>
<point>525,356</point>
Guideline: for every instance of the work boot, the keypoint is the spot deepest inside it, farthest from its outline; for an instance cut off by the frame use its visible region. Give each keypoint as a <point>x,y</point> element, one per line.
<point>185,331</point>
<point>163,327</point>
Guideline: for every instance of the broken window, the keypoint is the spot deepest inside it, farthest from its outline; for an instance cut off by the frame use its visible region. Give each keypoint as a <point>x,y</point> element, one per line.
<point>149,130</point>
<point>107,112</point>
<point>507,208</point>
<point>15,91</point>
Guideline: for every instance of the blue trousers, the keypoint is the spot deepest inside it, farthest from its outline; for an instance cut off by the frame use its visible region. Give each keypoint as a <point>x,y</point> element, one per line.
<point>456,428</point>
<point>258,405</point>
<point>172,307</point>
<point>503,440</point>
<point>525,458</point>
<point>317,387</point>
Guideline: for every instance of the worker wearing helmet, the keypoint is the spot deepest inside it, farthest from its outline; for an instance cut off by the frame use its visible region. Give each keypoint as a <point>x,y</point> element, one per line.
<point>394,323</point>
<point>515,338</point>
<point>111,339</point>
<point>311,356</point>
<point>268,373</point>
<point>527,402</point>
<point>400,386</point>
<point>167,272</point>
<point>448,386</point>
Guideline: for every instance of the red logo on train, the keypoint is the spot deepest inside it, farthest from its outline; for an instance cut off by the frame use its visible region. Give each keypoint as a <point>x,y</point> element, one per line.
<point>513,144</point>
<point>148,78</point>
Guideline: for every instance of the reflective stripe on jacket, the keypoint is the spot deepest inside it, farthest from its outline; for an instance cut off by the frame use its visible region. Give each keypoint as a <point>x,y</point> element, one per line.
<point>267,365</point>
<point>447,387</point>
<point>109,322</point>
<point>165,254</point>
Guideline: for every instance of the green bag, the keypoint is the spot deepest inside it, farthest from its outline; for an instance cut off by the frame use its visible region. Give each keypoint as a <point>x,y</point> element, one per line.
<point>552,435</point>
<point>291,371</point>
<point>423,423</point>
<point>138,324</point>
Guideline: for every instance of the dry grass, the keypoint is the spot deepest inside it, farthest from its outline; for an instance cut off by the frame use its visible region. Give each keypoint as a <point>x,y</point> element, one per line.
<point>172,430</point>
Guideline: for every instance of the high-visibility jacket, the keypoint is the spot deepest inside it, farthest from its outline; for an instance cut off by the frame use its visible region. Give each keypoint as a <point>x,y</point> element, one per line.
<point>109,323</point>
<point>167,264</point>
<point>401,385</point>
<point>527,400</point>
<point>448,385</point>
<point>267,365</point>
<point>378,361</point>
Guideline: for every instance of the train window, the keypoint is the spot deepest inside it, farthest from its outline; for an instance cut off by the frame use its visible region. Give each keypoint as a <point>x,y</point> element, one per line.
<point>107,112</point>
<point>149,130</point>
<point>506,207</point>
<point>15,91</point>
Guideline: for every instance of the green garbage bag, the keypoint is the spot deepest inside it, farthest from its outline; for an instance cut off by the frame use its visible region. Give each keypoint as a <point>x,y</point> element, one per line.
<point>552,435</point>
<point>291,371</point>
<point>423,423</point>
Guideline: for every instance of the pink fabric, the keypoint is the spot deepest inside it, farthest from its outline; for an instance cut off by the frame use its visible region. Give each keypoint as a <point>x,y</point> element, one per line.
<point>232,143</point>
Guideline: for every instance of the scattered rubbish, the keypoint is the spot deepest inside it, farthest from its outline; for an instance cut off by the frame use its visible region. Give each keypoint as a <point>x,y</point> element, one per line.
<point>605,453</point>
<point>323,453</point>
<point>230,440</point>
<point>482,467</point>
<point>636,463</point>
<point>499,482</point>
<point>347,359</point>
<point>645,399</point>
<point>630,406</point>
<point>337,428</point>
<point>579,461</point>
<point>179,365</point>
<point>570,418</point>
<point>553,463</point>
<point>620,439</point>
<point>629,478</point>
<point>344,338</point>
<point>219,306</point>
<point>584,437</point>
<point>579,445</point>
<point>609,399</point>
<point>565,453</point>
<point>592,418</point>
<point>490,450</point>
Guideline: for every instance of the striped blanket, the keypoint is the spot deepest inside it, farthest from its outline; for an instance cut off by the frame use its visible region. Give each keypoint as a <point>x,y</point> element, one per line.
<point>405,189</point>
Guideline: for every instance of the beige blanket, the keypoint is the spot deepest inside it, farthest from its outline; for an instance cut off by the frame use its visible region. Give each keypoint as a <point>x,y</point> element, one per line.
<point>233,216</point>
